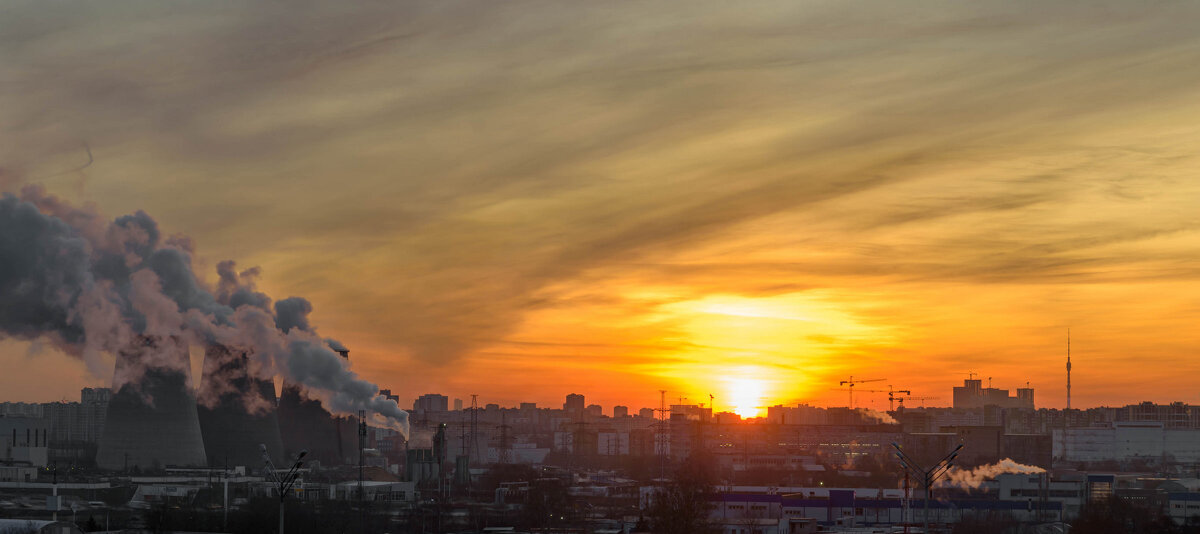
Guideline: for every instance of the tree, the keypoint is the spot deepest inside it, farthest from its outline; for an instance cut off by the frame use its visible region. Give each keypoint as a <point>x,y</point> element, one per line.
<point>682,505</point>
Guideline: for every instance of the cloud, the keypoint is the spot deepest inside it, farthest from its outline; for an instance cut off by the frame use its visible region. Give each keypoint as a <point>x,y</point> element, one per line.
<point>433,176</point>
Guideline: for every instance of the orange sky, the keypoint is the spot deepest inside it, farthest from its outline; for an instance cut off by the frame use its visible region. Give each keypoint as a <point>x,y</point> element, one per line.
<point>753,201</point>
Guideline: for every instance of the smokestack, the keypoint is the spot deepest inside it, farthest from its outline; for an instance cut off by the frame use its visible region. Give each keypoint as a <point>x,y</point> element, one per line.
<point>237,411</point>
<point>151,420</point>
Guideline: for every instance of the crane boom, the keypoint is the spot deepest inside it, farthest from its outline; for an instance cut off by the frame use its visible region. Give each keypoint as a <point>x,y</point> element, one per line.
<point>851,382</point>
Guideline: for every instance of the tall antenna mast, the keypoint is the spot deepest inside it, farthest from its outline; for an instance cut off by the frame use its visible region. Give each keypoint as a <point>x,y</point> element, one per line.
<point>1068,368</point>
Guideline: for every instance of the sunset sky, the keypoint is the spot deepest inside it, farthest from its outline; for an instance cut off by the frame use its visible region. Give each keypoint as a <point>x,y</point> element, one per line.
<point>749,200</point>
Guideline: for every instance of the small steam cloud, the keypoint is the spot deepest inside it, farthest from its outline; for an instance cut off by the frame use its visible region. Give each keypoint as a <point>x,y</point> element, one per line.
<point>973,478</point>
<point>876,416</point>
<point>89,286</point>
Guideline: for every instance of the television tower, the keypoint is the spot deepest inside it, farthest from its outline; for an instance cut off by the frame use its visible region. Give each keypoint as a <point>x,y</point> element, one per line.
<point>1068,368</point>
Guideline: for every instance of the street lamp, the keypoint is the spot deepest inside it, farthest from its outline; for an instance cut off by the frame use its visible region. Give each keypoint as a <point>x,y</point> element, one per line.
<point>283,484</point>
<point>927,476</point>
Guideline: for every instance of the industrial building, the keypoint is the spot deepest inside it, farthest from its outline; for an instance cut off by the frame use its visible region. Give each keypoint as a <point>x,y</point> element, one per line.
<point>23,441</point>
<point>1148,442</point>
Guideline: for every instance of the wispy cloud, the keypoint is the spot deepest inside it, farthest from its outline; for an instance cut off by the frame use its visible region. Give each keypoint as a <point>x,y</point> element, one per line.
<point>442,179</point>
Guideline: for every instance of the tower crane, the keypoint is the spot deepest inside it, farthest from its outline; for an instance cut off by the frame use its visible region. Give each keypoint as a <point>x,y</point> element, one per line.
<point>850,386</point>
<point>893,394</point>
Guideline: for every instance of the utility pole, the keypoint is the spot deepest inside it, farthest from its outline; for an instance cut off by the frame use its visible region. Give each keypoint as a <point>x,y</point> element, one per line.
<point>927,476</point>
<point>283,484</point>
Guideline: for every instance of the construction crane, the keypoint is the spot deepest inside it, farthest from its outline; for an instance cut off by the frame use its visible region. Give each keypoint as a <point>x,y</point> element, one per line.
<point>893,394</point>
<point>850,386</point>
<point>860,390</point>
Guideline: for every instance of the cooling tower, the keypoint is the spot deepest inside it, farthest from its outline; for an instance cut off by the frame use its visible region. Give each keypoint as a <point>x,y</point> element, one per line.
<point>151,420</point>
<point>306,425</point>
<point>237,411</point>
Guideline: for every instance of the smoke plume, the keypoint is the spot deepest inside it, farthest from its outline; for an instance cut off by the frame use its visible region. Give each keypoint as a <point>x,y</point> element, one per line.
<point>973,478</point>
<point>91,286</point>
<point>876,416</point>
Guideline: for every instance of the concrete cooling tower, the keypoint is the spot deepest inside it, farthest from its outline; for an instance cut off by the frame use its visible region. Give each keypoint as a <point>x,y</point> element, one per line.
<point>151,420</point>
<point>237,411</point>
<point>306,425</point>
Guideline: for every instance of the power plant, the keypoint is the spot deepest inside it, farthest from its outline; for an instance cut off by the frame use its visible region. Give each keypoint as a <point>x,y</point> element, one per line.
<point>237,411</point>
<point>151,420</point>
<point>305,424</point>
<point>154,419</point>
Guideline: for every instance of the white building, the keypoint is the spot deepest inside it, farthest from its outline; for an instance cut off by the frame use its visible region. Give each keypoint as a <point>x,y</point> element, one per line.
<point>23,440</point>
<point>1127,441</point>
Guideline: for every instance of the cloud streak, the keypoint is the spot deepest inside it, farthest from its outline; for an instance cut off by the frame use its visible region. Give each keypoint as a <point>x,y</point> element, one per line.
<point>439,176</point>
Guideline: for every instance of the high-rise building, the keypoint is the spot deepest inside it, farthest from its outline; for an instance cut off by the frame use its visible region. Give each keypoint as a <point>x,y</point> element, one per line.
<point>574,404</point>
<point>620,411</point>
<point>647,413</point>
<point>431,403</point>
<point>972,394</point>
<point>594,410</point>
<point>458,405</point>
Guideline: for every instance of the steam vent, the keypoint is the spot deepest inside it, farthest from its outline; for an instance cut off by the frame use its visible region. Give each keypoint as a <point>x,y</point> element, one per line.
<point>151,420</point>
<point>237,411</point>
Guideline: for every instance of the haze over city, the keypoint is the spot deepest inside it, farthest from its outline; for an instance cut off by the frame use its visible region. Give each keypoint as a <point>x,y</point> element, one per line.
<point>525,200</point>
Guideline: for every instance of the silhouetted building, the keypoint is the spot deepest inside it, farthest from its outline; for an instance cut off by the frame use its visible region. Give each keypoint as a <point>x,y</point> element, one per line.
<point>972,394</point>
<point>431,403</point>
<point>573,405</point>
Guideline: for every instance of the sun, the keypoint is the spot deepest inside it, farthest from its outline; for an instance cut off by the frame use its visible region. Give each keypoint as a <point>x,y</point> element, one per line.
<point>746,395</point>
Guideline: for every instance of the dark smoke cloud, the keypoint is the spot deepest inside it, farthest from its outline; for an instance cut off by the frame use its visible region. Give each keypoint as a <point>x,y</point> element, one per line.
<point>236,289</point>
<point>91,287</point>
<point>44,272</point>
<point>292,312</point>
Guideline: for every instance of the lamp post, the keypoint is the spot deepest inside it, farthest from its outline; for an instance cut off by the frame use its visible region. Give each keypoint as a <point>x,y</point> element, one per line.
<point>283,484</point>
<point>927,476</point>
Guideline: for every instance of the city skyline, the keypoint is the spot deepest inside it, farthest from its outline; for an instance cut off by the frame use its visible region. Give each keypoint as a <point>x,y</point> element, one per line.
<point>743,203</point>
